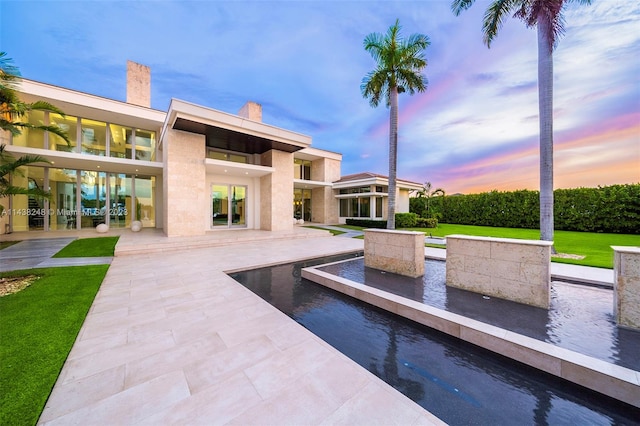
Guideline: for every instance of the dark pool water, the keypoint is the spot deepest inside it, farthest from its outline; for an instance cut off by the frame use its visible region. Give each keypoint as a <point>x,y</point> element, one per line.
<point>580,317</point>
<point>458,382</point>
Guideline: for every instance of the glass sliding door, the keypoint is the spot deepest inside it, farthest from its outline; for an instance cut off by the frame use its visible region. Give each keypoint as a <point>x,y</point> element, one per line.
<point>228,206</point>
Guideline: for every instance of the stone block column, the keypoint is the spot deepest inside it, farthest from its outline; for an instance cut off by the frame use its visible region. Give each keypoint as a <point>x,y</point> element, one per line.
<point>400,252</point>
<point>186,198</point>
<point>626,286</point>
<point>276,192</point>
<point>511,269</point>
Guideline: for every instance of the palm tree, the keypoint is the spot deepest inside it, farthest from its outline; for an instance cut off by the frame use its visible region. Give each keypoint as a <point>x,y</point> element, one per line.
<point>399,69</point>
<point>12,110</point>
<point>547,16</point>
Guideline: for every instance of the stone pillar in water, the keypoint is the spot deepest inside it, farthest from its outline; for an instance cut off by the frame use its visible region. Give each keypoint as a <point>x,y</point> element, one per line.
<point>626,286</point>
<point>400,252</point>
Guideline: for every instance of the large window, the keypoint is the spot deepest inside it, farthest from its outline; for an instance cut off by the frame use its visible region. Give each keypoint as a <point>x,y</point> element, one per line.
<point>94,137</point>
<point>302,204</point>
<point>145,200</point>
<point>301,169</point>
<point>32,138</point>
<point>228,205</point>
<point>120,209</point>
<point>69,125</point>
<point>93,196</point>
<point>355,207</point>
<point>227,156</point>
<point>63,205</point>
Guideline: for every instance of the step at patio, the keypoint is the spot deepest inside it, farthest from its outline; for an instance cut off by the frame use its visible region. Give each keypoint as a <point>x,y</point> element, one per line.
<point>156,242</point>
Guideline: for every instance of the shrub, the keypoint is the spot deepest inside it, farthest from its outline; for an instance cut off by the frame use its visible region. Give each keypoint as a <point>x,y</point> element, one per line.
<point>406,220</point>
<point>427,222</point>
<point>368,223</point>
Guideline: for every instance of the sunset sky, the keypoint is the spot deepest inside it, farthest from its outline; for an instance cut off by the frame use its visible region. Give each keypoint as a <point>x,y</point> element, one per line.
<point>474,129</point>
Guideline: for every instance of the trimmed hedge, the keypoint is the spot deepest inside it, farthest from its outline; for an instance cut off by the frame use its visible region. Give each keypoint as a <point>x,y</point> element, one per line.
<point>611,209</point>
<point>406,220</point>
<point>368,223</point>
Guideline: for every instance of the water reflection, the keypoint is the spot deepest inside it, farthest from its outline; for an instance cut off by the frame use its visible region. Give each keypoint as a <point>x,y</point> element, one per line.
<point>580,318</point>
<point>458,382</point>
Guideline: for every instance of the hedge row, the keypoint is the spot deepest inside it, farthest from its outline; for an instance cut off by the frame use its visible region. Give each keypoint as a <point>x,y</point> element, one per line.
<point>614,209</point>
<point>403,220</point>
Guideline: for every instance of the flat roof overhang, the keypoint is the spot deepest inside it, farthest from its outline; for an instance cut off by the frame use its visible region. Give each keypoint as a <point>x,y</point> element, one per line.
<point>229,168</point>
<point>231,132</point>
<point>72,160</point>
<point>310,184</point>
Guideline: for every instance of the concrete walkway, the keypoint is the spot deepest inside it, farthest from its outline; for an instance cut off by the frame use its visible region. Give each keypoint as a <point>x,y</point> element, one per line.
<point>37,253</point>
<point>172,339</point>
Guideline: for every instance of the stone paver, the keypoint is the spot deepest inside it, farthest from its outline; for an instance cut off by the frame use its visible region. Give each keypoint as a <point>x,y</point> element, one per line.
<point>172,339</point>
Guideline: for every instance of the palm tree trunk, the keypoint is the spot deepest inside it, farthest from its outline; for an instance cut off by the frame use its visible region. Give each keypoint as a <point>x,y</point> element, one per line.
<point>393,154</point>
<point>545,105</point>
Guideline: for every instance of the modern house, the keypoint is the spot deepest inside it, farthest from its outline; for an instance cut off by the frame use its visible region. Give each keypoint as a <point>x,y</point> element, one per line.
<point>188,170</point>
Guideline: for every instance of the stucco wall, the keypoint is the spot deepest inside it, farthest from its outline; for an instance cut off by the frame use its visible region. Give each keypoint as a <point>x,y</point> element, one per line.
<point>517,270</point>
<point>185,195</point>
<point>626,284</point>
<point>276,192</point>
<point>324,205</point>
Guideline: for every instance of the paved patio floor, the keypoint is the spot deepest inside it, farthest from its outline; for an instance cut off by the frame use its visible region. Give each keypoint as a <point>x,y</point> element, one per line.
<point>171,339</point>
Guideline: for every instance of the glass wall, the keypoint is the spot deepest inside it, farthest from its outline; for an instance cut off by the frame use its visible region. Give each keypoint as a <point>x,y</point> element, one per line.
<point>356,207</point>
<point>228,205</point>
<point>145,188</point>
<point>301,169</point>
<point>145,145</point>
<point>68,124</point>
<point>94,137</point>
<point>27,212</point>
<point>63,205</point>
<point>93,193</point>
<point>120,210</point>
<point>302,204</point>
<point>119,138</point>
<point>31,137</point>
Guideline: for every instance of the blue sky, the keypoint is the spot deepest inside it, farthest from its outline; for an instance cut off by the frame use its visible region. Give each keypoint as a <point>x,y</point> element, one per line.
<point>474,129</point>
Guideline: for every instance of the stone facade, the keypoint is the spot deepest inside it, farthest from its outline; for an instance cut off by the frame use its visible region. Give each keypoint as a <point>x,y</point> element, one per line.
<point>400,252</point>
<point>184,177</point>
<point>516,270</point>
<point>252,111</point>
<point>276,189</point>
<point>324,206</point>
<point>626,285</point>
<point>138,84</point>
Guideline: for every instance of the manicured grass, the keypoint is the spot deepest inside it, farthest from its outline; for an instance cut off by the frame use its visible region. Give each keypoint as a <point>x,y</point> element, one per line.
<point>5,244</point>
<point>89,247</point>
<point>595,247</point>
<point>333,231</point>
<point>39,327</point>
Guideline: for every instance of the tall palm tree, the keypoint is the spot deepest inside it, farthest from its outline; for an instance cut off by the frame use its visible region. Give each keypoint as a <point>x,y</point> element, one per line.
<point>12,111</point>
<point>399,69</point>
<point>546,16</point>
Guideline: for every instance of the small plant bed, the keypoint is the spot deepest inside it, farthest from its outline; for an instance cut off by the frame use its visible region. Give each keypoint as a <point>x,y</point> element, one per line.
<point>10,285</point>
<point>89,247</point>
<point>333,231</point>
<point>39,326</point>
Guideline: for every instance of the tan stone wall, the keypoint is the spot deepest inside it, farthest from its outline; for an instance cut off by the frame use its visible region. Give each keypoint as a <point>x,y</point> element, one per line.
<point>186,199</point>
<point>400,252</point>
<point>276,192</point>
<point>324,205</point>
<point>138,84</point>
<point>626,286</point>
<point>517,270</point>
<point>252,111</point>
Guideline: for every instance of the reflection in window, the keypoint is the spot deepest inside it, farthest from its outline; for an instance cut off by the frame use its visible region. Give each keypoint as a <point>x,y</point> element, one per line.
<point>62,184</point>
<point>32,138</point>
<point>119,138</point>
<point>145,200</point>
<point>94,137</point>
<point>145,145</point>
<point>120,208</point>
<point>69,125</point>
<point>301,169</point>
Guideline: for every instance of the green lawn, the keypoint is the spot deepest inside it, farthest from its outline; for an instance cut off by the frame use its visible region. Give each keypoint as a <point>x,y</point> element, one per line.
<point>595,247</point>
<point>89,247</point>
<point>39,327</point>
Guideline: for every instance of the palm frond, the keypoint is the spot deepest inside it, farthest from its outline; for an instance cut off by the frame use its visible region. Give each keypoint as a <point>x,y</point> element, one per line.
<point>46,106</point>
<point>31,192</point>
<point>494,18</point>
<point>457,6</point>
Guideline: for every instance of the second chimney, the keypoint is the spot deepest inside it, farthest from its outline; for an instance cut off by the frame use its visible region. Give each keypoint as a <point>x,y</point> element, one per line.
<point>252,111</point>
<point>138,84</point>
